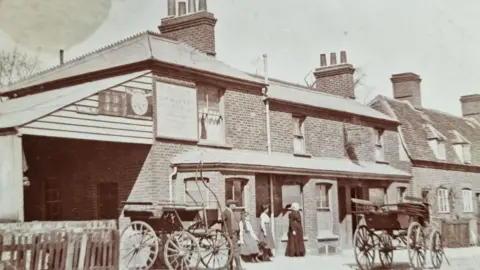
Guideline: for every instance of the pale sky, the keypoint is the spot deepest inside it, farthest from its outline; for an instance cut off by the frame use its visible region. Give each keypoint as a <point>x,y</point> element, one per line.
<point>437,39</point>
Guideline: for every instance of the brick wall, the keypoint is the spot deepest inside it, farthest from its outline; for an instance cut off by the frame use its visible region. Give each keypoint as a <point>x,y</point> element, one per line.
<point>245,120</point>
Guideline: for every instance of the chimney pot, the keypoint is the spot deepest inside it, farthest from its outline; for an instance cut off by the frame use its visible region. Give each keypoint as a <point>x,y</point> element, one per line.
<point>171,8</point>
<point>192,6</point>
<point>323,60</point>
<point>343,57</point>
<point>61,57</point>
<point>182,8</point>
<point>333,59</point>
<point>202,5</point>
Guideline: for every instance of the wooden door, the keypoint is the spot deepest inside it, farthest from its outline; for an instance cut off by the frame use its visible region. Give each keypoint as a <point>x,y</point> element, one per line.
<point>107,194</point>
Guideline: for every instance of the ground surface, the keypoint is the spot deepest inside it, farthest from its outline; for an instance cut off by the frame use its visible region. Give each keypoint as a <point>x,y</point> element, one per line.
<point>460,259</point>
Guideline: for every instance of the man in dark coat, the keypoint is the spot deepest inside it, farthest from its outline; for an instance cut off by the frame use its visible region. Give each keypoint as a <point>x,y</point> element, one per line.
<point>232,228</point>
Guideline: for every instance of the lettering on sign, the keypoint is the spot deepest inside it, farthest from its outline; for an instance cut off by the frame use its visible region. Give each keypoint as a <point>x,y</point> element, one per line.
<point>176,114</point>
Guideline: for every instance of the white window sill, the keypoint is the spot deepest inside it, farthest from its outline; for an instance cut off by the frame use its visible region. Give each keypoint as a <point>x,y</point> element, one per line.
<point>443,212</point>
<point>215,144</point>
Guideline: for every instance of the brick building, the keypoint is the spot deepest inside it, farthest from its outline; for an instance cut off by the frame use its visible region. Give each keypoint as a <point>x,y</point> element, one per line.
<point>441,151</point>
<point>136,119</point>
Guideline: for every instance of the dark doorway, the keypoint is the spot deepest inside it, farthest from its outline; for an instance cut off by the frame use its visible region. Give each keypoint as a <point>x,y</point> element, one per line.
<point>357,193</point>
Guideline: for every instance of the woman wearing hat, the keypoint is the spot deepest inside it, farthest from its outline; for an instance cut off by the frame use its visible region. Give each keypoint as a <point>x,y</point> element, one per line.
<point>249,249</point>
<point>295,244</point>
<point>266,235</point>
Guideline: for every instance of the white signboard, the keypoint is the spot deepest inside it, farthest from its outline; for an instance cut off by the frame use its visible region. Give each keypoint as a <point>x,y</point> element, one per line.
<point>177,116</point>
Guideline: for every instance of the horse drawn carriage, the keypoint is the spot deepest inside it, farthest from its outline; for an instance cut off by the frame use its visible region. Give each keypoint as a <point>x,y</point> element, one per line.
<point>389,227</point>
<point>190,236</point>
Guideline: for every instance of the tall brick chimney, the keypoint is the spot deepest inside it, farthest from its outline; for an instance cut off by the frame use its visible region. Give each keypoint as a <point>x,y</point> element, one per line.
<point>471,106</point>
<point>196,28</point>
<point>336,79</point>
<point>406,86</point>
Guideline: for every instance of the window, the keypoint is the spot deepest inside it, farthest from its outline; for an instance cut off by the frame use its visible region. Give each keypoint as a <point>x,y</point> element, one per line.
<point>401,191</point>
<point>379,149</point>
<point>467,197</point>
<point>477,197</point>
<point>463,152</point>
<point>112,103</point>
<point>210,114</point>
<point>196,193</point>
<point>401,150</point>
<point>443,200</point>
<point>234,190</point>
<point>298,135</point>
<point>324,216</point>
<point>107,200</point>
<point>441,150</point>
<point>436,140</point>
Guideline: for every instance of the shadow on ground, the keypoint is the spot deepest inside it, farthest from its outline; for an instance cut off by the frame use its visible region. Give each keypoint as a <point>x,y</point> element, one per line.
<point>395,266</point>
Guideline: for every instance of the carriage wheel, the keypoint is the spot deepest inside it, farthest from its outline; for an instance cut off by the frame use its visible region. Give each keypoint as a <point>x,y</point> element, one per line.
<point>436,249</point>
<point>364,247</point>
<point>181,251</point>
<point>386,250</point>
<point>138,246</point>
<point>416,246</point>
<point>215,250</point>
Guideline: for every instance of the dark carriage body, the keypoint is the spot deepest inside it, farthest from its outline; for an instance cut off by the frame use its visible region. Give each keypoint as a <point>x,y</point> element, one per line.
<point>168,218</point>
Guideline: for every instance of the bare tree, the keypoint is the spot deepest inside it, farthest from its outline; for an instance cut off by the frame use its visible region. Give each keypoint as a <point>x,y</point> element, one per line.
<point>15,65</point>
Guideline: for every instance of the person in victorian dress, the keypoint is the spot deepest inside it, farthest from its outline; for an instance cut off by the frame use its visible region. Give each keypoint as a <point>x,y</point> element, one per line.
<point>249,249</point>
<point>266,236</point>
<point>295,244</point>
<point>232,228</point>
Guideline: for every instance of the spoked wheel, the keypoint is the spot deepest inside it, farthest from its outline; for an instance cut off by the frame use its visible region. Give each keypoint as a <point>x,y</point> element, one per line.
<point>364,248</point>
<point>215,250</point>
<point>181,251</point>
<point>436,249</point>
<point>138,246</point>
<point>416,246</point>
<point>386,250</point>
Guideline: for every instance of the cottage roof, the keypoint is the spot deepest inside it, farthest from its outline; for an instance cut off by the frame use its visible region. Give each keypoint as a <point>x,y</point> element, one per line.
<point>287,163</point>
<point>138,48</point>
<point>420,125</point>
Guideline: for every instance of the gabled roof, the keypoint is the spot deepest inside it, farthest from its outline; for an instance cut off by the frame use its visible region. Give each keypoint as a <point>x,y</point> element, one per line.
<point>19,111</point>
<point>137,48</point>
<point>302,95</point>
<point>287,163</point>
<point>419,125</point>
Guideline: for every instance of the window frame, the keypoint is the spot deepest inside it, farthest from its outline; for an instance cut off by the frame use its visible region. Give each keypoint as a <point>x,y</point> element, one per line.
<point>328,194</point>
<point>299,133</point>
<point>467,200</point>
<point>208,110</point>
<point>379,144</point>
<point>206,196</point>
<point>243,184</point>
<point>441,150</point>
<point>467,153</point>
<point>446,200</point>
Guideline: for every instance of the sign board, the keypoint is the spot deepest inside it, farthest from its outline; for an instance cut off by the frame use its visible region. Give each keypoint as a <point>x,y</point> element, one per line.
<point>176,112</point>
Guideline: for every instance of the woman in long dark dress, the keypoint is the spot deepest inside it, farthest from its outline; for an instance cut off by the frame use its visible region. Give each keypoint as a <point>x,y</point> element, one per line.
<point>295,244</point>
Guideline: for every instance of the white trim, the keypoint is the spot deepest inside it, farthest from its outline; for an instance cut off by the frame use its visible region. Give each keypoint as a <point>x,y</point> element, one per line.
<point>83,136</point>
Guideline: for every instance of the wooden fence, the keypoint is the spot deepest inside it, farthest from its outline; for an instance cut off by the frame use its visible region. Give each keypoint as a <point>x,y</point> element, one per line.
<point>55,249</point>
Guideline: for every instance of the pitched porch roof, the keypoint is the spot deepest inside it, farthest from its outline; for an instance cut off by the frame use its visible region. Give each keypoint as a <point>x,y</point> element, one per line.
<point>19,111</point>
<point>281,163</point>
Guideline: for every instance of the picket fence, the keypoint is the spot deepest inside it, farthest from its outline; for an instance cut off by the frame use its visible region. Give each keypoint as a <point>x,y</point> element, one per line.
<point>60,249</point>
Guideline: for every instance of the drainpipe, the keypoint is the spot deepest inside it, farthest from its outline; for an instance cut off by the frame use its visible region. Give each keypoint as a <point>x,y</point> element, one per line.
<point>269,142</point>
<point>170,184</point>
